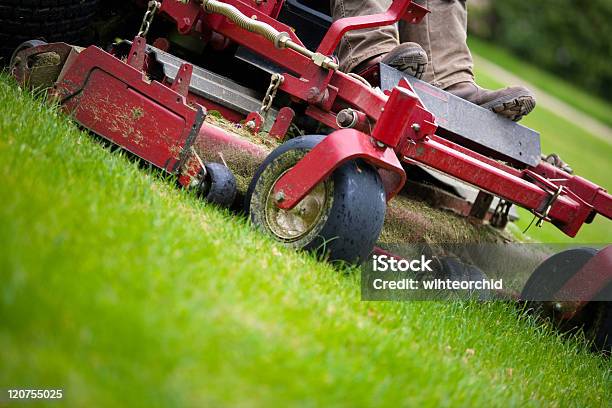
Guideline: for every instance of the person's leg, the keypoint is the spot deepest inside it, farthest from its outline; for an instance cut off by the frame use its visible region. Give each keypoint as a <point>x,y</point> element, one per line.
<point>359,49</point>
<point>443,35</point>
<point>360,45</point>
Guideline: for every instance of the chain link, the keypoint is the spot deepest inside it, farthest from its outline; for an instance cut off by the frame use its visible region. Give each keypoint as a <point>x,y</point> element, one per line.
<point>275,81</point>
<point>148,18</point>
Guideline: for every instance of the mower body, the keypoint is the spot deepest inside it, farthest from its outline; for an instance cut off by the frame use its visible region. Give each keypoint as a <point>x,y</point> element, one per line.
<point>153,104</point>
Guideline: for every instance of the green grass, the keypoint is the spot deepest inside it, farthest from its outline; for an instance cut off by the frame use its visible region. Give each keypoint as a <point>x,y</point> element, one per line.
<point>588,155</point>
<point>125,291</point>
<point>561,89</point>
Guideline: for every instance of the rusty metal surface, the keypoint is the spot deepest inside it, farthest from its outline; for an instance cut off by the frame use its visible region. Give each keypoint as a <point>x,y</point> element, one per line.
<point>114,100</point>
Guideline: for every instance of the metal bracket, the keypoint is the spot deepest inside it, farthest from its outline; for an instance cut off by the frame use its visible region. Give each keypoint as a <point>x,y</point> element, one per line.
<point>544,214</point>
<point>399,9</point>
<point>500,216</point>
<point>136,58</point>
<point>180,85</point>
<point>282,123</point>
<point>332,152</point>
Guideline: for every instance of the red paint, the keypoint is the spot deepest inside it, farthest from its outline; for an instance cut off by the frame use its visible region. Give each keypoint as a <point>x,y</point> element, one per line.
<point>399,8</point>
<point>122,87</point>
<point>590,279</point>
<point>282,123</point>
<point>147,118</point>
<point>333,151</point>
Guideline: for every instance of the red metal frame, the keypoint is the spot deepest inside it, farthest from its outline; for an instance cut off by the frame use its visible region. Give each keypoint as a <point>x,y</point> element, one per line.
<point>401,126</point>
<point>332,152</point>
<point>567,201</point>
<point>584,285</point>
<point>160,123</point>
<point>116,101</point>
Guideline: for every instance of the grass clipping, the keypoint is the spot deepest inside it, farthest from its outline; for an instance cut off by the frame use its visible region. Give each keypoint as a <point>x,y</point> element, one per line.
<point>406,221</point>
<point>412,221</point>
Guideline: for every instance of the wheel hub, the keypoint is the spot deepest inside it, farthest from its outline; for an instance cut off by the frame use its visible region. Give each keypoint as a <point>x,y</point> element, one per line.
<point>293,224</point>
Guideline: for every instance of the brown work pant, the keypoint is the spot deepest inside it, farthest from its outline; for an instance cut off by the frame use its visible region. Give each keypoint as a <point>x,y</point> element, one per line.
<point>442,33</point>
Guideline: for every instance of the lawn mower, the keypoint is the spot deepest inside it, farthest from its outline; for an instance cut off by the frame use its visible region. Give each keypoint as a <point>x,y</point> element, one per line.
<point>327,150</point>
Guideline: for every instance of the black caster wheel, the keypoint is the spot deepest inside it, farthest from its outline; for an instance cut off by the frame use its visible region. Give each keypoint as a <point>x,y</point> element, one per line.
<point>340,219</point>
<point>595,318</point>
<point>218,186</point>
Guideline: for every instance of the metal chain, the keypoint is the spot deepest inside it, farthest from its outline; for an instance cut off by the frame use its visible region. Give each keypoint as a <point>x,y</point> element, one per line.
<point>500,214</point>
<point>148,18</point>
<point>275,81</point>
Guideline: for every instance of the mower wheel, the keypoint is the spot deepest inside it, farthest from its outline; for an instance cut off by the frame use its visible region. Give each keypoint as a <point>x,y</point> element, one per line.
<point>340,219</point>
<point>600,328</point>
<point>219,185</point>
<point>453,269</point>
<point>550,276</point>
<point>594,319</point>
<point>67,20</point>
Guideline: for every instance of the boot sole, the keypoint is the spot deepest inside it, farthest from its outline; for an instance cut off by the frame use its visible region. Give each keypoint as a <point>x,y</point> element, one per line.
<point>413,64</point>
<point>513,107</point>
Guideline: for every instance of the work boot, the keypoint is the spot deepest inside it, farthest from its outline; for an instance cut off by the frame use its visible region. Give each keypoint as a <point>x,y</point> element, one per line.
<point>512,102</point>
<point>408,57</point>
<point>443,35</point>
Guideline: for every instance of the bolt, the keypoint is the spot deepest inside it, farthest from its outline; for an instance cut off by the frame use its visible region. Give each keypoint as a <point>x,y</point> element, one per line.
<point>416,127</point>
<point>279,197</point>
<point>380,144</point>
<point>250,124</point>
<point>313,95</point>
<point>558,306</point>
<point>346,118</point>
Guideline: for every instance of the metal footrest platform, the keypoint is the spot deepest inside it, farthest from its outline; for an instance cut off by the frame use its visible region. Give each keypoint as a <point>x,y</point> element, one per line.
<point>470,125</point>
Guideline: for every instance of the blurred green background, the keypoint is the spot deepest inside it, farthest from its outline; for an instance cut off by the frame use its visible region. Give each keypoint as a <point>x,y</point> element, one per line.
<point>562,51</point>
<point>569,38</point>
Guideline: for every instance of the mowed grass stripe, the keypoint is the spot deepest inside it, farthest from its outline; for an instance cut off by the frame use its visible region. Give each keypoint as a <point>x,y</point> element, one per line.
<point>123,290</point>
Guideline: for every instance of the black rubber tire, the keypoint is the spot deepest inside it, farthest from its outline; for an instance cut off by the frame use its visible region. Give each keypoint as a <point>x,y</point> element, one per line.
<point>51,20</point>
<point>595,319</point>
<point>219,185</point>
<point>601,332</point>
<point>551,275</point>
<point>352,220</point>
